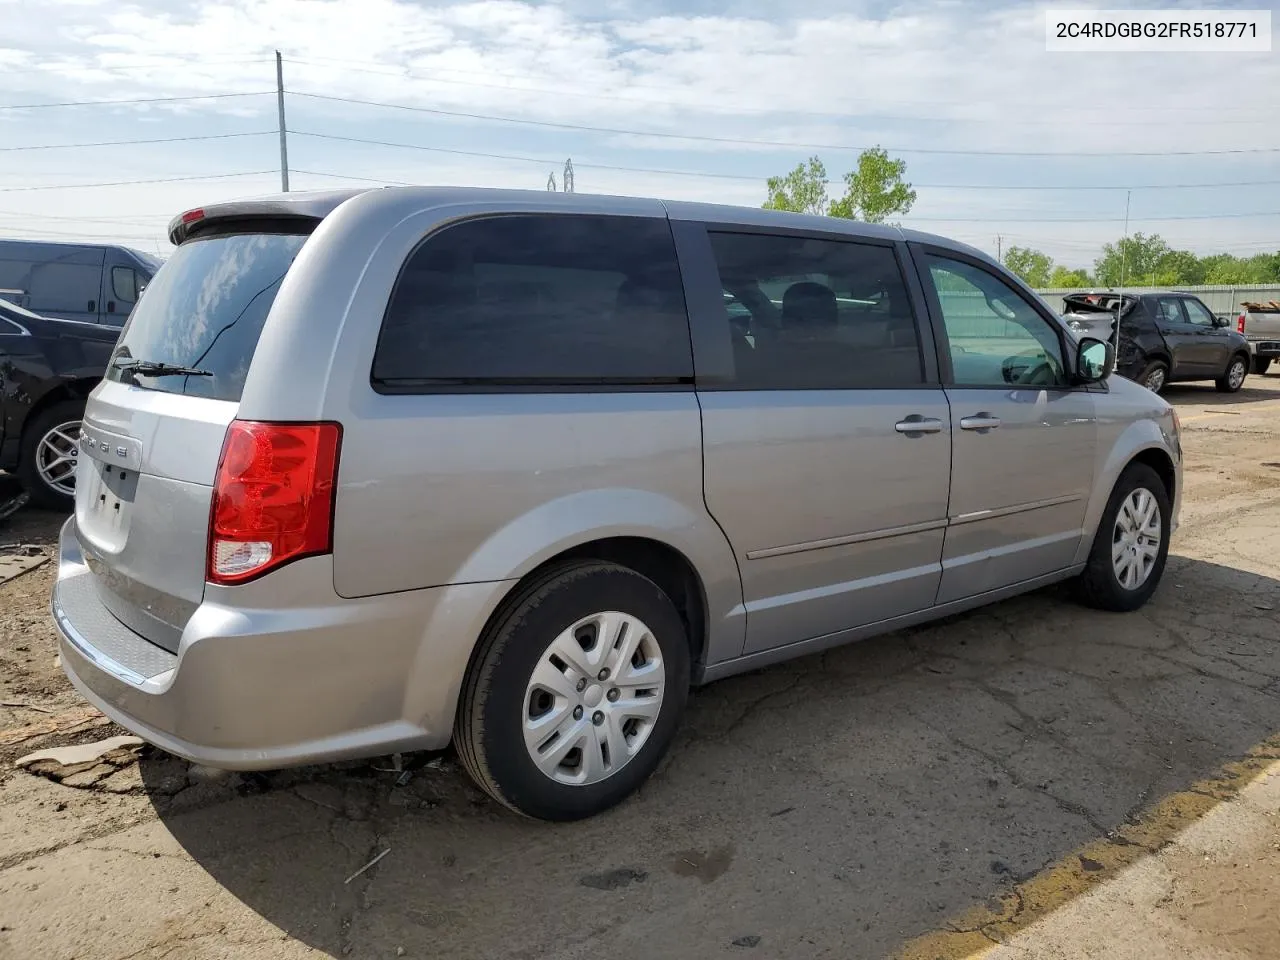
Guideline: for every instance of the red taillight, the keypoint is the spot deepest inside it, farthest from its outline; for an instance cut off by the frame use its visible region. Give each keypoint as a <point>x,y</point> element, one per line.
<point>273,497</point>
<point>191,216</point>
<point>1240,322</point>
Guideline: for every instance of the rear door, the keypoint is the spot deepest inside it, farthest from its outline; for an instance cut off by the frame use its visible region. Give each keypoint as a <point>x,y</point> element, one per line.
<point>65,283</point>
<point>827,436</point>
<point>1023,451</point>
<point>1181,337</point>
<point>150,445</point>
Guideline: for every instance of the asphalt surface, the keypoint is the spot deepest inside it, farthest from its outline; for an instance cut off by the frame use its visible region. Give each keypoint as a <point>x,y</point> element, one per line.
<point>836,806</point>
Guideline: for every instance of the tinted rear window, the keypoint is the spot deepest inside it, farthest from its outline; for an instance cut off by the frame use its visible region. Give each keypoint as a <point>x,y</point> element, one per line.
<point>538,301</point>
<point>205,308</point>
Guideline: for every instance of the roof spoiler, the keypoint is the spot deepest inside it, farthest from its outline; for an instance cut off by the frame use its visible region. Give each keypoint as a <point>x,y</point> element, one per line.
<point>286,206</point>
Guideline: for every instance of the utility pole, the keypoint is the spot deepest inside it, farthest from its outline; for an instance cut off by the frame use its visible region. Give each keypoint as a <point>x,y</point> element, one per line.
<point>284,145</point>
<point>999,248</point>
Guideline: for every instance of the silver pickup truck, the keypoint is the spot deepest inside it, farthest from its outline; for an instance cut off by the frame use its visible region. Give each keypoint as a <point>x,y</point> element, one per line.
<point>1260,323</point>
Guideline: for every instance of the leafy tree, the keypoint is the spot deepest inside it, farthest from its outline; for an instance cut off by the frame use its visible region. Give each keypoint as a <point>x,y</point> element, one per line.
<point>1031,265</point>
<point>874,190</point>
<point>1177,268</point>
<point>1063,277</point>
<point>1131,261</point>
<point>803,190</point>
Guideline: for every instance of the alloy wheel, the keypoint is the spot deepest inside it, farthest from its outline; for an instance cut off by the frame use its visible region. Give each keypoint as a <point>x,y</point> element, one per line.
<point>1135,540</point>
<point>56,457</point>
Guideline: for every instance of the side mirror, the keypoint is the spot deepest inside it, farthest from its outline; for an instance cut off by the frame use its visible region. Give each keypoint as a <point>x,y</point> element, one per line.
<point>1221,322</point>
<point>1095,359</point>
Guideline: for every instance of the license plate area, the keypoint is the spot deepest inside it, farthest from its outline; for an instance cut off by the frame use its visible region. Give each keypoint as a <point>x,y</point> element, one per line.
<point>106,504</point>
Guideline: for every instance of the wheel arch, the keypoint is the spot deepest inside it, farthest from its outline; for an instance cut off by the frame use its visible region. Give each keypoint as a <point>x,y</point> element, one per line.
<point>77,389</point>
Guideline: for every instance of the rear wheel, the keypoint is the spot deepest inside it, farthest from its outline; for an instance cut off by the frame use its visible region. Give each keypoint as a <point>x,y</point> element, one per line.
<point>1233,379</point>
<point>1154,376</point>
<point>1261,365</point>
<point>50,450</point>
<point>576,692</point>
<point>1131,545</point>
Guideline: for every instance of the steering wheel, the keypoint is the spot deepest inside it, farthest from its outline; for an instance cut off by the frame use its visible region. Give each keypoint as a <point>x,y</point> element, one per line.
<point>1043,374</point>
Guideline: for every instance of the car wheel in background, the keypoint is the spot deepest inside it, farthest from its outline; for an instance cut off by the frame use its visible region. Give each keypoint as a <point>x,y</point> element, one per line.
<point>575,692</point>
<point>50,450</point>
<point>1154,376</point>
<point>1233,379</point>
<point>1131,545</point>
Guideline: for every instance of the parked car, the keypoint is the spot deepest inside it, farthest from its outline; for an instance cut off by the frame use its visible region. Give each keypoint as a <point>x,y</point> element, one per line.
<point>47,368</point>
<point>1260,323</point>
<point>1164,338</point>
<point>93,283</point>
<point>496,467</point>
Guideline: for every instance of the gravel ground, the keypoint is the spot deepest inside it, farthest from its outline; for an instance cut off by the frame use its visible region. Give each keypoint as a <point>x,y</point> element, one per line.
<point>836,806</point>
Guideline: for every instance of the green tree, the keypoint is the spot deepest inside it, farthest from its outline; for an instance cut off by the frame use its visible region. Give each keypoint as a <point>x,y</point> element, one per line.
<point>1063,277</point>
<point>1031,265</point>
<point>1130,261</point>
<point>803,190</point>
<point>1178,268</point>
<point>875,190</point>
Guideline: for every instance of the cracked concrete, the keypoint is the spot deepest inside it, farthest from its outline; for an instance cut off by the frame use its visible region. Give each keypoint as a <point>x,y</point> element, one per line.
<point>836,806</point>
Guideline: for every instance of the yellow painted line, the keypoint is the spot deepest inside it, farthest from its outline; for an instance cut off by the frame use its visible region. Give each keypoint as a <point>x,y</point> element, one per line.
<point>979,929</point>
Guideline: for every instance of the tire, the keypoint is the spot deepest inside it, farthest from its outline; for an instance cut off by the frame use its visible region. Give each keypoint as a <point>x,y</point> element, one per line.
<point>1100,585</point>
<point>1261,365</point>
<point>1233,379</point>
<point>1156,370</point>
<point>500,695</point>
<point>33,451</point>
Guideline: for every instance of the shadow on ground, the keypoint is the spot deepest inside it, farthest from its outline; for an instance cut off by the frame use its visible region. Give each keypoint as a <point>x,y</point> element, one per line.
<point>833,806</point>
<point>1206,393</point>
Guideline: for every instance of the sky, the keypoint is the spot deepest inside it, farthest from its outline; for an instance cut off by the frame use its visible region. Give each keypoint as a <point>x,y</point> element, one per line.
<point>679,99</point>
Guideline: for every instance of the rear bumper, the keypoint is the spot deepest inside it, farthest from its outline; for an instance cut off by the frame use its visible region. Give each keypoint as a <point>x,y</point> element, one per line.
<point>1266,348</point>
<point>260,685</point>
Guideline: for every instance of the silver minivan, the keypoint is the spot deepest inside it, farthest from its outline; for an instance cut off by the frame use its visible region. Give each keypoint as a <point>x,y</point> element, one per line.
<point>377,471</point>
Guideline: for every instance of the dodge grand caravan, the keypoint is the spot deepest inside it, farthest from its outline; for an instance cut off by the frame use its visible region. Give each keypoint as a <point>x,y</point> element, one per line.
<point>376,471</point>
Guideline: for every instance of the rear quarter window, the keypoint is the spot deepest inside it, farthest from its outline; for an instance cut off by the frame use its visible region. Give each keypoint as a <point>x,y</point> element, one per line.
<point>537,301</point>
<point>206,308</point>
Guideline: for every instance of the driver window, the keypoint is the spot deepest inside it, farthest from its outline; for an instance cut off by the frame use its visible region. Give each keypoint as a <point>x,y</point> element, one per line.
<point>997,338</point>
<point>1197,313</point>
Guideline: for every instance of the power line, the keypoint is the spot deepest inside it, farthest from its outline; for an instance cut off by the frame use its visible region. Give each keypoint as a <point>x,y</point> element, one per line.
<point>690,105</point>
<point>108,103</point>
<point>1038,105</point>
<point>129,183</point>
<point>131,143</point>
<point>760,179</point>
<point>1216,216</point>
<point>618,131</point>
<point>345,176</point>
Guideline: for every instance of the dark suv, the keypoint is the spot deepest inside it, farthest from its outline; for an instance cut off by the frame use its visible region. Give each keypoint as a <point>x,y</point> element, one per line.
<point>1164,337</point>
<point>47,368</point>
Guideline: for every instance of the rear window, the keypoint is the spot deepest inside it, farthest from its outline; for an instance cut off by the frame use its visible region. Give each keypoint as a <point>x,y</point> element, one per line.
<point>537,301</point>
<point>205,308</point>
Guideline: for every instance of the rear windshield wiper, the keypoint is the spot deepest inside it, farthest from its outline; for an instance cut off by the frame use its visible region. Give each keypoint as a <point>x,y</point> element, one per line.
<point>154,368</point>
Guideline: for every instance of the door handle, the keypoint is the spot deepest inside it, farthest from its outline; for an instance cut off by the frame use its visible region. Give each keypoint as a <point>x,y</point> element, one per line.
<point>979,421</point>
<point>918,424</point>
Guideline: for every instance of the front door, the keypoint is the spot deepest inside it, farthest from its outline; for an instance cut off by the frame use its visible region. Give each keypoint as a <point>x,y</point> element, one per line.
<point>827,452</point>
<point>1024,441</point>
<point>1212,341</point>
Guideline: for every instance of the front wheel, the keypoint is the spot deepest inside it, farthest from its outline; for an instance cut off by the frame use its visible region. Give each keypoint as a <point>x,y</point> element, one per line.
<point>576,692</point>
<point>1131,545</point>
<point>1233,379</point>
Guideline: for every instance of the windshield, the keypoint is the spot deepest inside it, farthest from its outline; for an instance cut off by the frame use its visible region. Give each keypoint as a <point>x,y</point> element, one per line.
<point>205,309</point>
